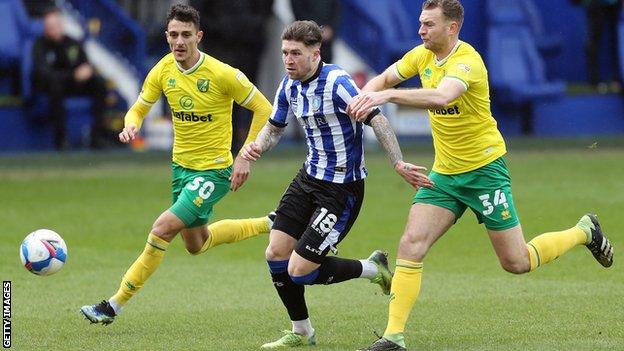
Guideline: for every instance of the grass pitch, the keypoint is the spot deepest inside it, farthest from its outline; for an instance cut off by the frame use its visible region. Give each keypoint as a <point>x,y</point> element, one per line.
<point>103,205</point>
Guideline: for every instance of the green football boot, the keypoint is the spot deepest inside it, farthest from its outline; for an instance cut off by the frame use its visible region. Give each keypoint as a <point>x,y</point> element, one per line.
<point>384,275</point>
<point>291,339</point>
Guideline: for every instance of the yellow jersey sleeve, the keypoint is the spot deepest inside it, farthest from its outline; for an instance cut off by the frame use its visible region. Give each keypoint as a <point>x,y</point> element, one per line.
<point>236,85</point>
<point>152,87</point>
<point>465,69</point>
<point>411,63</point>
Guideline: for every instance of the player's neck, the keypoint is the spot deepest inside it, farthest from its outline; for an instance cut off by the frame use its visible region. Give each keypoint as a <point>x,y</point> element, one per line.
<point>446,51</point>
<point>313,72</point>
<point>191,61</point>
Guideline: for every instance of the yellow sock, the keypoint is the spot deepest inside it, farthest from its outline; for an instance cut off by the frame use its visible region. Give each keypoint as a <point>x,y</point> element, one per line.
<point>230,231</point>
<point>141,269</point>
<point>403,295</point>
<point>548,246</point>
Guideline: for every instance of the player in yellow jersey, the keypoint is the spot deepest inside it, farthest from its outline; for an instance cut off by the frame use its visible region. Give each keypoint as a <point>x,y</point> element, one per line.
<point>469,170</point>
<point>200,91</point>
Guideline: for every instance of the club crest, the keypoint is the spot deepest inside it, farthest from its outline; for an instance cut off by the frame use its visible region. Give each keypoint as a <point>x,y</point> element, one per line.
<point>203,84</point>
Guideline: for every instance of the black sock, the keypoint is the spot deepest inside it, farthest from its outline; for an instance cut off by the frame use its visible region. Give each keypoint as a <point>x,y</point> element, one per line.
<point>292,296</point>
<point>335,270</point>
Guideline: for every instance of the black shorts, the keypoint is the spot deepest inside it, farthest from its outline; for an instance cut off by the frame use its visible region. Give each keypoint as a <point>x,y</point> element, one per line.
<point>318,213</point>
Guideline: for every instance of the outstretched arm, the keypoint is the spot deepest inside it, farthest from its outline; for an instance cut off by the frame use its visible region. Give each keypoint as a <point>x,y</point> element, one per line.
<point>447,91</point>
<point>133,120</point>
<point>261,110</point>
<point>386,137</point>
<point>268,137</point>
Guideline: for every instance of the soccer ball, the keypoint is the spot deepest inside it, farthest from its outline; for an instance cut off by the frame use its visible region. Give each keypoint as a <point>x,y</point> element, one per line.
<point>43,252</point>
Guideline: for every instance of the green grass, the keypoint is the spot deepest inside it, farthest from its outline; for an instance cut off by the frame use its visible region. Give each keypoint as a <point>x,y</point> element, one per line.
<point>103,205</point>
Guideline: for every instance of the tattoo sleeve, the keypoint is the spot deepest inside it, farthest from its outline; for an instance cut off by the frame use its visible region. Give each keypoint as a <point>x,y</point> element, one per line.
<point>269,136</point>
<point>386,137</point>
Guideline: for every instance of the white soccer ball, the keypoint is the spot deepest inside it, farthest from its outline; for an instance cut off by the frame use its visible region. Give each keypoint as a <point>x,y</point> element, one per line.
<point>43,252</point>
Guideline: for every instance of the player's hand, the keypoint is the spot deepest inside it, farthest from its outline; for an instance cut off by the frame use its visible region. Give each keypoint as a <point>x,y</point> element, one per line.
<point>240,173</point>
<point>413,174</point>
<point>128,133</point>
<point>83,72</point>
<point>362,104</point>
<point>251,151</point>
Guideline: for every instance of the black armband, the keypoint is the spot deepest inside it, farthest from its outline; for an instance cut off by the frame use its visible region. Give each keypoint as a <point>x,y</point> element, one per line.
<point>374,112</point>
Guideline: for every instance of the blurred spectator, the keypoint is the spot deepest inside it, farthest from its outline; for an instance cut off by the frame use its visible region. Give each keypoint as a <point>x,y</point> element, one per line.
<point>325,13</point>
<point>60,69</point>
<point>37,8</point>
<point>601,14</point>
<point>234,32</point>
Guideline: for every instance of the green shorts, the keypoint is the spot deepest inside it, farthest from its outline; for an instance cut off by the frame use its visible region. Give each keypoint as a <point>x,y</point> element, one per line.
<point>486,190</point>
<point>196,192</point>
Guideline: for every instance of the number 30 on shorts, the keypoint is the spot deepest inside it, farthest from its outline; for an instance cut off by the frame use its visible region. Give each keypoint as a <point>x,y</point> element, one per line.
<point>205,187</point>
<point>499,199</point>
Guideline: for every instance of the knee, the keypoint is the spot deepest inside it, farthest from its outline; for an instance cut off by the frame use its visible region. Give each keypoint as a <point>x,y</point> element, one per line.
<point>413,245</point>
<point>193,250</point>
<point>164,230</point>
<point>274,253</point>
<point>515,266</point>
<point>302,275</point>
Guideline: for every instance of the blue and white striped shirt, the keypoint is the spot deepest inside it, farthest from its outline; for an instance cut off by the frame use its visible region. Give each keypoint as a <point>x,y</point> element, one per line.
<point>334,140</point>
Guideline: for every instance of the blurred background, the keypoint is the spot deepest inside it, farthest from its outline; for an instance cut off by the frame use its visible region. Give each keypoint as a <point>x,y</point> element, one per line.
<point>555,67</point>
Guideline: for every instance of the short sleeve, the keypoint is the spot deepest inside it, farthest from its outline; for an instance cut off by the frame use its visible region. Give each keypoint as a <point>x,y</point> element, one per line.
<point>281,106</point>
<point>465,70</point>
<point>237,85</point>
<point>343,92</point>
<point>152,87</point>
<point>407,66</point>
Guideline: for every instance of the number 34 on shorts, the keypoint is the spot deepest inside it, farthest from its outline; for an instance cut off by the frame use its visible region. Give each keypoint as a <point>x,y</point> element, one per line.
<point>497,199</point>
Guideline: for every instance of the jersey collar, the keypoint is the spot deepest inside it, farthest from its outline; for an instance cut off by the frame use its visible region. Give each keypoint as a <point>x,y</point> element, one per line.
<point>315,75</point>
<point>202,56</point>
<point>441,62</point>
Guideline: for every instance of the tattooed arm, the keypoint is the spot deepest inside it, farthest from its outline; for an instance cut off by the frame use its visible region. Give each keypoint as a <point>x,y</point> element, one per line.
<point>386,137</point>
<point>388,140</point>
<point>268,137</point>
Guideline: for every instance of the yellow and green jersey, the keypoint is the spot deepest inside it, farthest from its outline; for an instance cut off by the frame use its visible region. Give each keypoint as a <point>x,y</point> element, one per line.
<point>201,108</point>
<point>465,135</point>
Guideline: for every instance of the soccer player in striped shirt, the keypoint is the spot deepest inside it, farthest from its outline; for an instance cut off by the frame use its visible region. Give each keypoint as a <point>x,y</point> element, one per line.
<point>200,90</point>
<point>322,202</point>
<point>469,170</point>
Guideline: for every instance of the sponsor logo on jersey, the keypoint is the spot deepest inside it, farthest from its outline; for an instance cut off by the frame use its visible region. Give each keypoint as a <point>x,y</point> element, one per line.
<point>186,102</point>
<point>190,117</point>
<point>454,110</point>
<point>203,84</point>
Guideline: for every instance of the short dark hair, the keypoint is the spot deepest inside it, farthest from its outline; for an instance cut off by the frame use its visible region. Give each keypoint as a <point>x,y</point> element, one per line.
<point>307,32</point>
<point>451,9</point>
<point>183,13</point>
<point>50,10</point>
